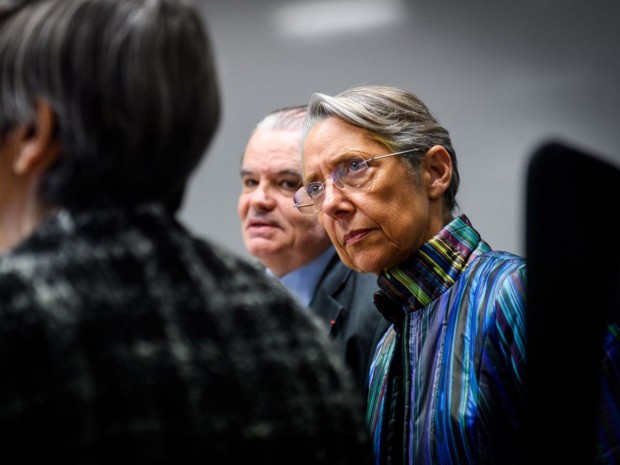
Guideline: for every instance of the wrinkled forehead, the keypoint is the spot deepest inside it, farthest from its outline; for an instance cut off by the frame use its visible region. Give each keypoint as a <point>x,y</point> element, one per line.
<point>268,158</point>
<point>274,146</point>
<point>332,141</point>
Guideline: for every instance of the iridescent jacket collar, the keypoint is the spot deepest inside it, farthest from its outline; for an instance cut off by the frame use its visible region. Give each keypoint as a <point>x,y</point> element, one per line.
<point>430,271</point>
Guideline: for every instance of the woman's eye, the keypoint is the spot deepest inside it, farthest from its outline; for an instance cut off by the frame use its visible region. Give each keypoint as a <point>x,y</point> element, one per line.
<point>314,190</point>
<point>356,165</point>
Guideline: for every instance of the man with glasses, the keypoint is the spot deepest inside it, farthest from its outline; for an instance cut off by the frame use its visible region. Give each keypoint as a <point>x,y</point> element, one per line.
<point>446,381</point>
<point>295,248</point>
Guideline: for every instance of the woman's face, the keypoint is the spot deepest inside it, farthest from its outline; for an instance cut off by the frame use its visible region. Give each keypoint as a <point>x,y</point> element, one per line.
<point>384,221</point>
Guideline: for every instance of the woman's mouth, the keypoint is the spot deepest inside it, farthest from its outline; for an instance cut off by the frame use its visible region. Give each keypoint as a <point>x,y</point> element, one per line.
<point>355,236</point>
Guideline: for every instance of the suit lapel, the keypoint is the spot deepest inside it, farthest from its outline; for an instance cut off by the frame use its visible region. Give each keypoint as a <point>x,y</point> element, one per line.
<point>324,303</point>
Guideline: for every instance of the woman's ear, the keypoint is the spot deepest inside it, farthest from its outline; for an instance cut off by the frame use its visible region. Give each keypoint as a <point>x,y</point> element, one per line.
<point>439,165</point>
<point>37,144</point>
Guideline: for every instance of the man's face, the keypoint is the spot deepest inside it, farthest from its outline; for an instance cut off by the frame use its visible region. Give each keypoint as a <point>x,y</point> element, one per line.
<point>273,230</point>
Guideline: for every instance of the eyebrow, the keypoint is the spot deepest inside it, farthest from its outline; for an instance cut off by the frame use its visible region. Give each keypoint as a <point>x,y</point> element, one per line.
<point>290,172</point>
<point>338,159</point>
<point>285,172</point>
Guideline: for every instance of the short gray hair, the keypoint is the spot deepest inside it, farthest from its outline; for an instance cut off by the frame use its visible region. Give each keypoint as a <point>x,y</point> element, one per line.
<point>286,118</point>
<point>392,116</point>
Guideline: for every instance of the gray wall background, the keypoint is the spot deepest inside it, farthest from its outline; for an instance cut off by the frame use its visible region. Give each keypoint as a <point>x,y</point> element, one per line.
<point>501,76</point>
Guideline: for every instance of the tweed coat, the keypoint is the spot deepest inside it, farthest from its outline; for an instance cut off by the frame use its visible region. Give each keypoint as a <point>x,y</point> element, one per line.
<point>125,338</point>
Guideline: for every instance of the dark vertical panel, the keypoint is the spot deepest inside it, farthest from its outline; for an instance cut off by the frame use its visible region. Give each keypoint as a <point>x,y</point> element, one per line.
<point>573,287</point>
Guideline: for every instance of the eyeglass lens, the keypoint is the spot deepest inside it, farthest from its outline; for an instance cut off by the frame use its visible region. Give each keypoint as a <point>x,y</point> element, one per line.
<point>351,173</point>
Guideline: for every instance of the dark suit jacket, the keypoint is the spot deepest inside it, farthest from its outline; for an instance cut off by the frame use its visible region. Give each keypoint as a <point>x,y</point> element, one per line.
<point>343,301</point>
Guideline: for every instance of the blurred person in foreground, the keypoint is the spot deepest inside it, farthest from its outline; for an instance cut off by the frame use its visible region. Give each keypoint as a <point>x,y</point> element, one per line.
<point>446,382</point>
<point>122,336</point>
<point>296,249</point>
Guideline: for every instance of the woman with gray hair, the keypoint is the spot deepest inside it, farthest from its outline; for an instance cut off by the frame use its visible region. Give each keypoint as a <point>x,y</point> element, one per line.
<point>446,381</point>
<point>123,337</point>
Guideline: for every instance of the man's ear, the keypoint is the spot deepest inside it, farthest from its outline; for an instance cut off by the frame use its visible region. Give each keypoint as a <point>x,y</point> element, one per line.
<point>37,144</point>
<point>439,166</point>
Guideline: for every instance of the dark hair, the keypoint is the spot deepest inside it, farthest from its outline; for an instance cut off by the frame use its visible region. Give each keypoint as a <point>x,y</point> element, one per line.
<point>133,88</point>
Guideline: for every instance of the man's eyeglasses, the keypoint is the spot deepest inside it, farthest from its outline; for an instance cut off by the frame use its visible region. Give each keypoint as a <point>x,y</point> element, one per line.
<point>351,173</point>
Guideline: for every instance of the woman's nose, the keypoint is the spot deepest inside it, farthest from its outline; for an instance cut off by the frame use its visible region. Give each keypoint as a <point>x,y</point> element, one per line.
<point>334,198</point>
